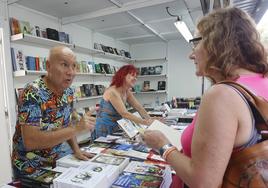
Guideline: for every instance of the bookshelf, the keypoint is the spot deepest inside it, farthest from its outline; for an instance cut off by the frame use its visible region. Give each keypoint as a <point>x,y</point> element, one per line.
<point>152,76</point>
<point>152,92</point>
<point>26,39</point>
<point>161,59</point>
<point>21,73</point>
<point>101,54</point>
<point>154,79</point>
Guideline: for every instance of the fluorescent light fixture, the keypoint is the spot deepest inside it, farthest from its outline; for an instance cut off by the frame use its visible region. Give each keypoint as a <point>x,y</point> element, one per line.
<point>183,29</point>
<point>264,20</point>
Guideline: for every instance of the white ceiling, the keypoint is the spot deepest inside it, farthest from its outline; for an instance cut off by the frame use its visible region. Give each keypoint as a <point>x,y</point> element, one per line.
<point>130,21</point>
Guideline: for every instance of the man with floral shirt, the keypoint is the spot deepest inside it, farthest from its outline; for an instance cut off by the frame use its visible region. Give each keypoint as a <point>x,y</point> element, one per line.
<point>44,116</point>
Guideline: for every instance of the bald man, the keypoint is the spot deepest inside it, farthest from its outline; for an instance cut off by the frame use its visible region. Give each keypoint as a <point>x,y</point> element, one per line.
<point>44,111</point>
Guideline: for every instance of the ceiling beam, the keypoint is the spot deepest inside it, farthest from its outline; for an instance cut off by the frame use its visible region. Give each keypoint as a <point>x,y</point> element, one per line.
<point>135,37</point>
<point>139,20</point>
<point>117,27</point>
<point>113,10</point>
<point>9,2</point>
<point>134,25</point>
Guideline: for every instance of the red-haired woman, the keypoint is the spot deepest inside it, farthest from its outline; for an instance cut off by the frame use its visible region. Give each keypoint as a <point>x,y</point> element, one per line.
<point>112,105</point>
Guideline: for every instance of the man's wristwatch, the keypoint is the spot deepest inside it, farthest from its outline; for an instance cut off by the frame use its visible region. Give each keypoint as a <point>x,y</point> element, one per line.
<point>164,148</point>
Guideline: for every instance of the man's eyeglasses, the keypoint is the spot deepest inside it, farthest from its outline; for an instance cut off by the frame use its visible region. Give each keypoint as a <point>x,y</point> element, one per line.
<point>194,42</point>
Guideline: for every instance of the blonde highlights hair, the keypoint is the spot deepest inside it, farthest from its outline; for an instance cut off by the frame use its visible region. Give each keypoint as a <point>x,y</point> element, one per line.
<point>231,40</point>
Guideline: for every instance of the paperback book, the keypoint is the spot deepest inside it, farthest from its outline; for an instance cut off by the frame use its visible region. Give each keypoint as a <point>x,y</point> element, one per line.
<point>137,180</point>
<point>42,178</point>
<point>119,161</point>
<point>93,175</point>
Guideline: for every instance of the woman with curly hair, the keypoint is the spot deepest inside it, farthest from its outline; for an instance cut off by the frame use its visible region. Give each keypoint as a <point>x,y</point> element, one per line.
<point>226,47</point>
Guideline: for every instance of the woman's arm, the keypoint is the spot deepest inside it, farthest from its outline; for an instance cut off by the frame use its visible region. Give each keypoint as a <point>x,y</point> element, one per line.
<point>136,105</point>
<point>119,105</point>
<point>215,134</point>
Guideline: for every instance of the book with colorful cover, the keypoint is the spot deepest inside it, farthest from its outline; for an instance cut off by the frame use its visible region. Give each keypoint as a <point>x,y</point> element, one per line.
<point>14,26</point>
<point>25,27</point>
<point>18,59</point>
<point>145,169</point>
<point>137,181</point>
<point>130,128</point>
<point>40,178</point>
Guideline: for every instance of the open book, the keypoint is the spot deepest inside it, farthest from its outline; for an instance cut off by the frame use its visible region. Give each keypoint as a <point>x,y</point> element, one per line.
<point>132,129</point>
<point>173,135</point>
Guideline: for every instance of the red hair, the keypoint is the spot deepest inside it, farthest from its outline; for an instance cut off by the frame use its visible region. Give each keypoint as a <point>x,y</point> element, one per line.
<point>120,75</point>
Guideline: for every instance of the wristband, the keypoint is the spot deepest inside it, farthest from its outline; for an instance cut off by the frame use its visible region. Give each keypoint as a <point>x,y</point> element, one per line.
<point>164,148</point>
<point>168,151</point>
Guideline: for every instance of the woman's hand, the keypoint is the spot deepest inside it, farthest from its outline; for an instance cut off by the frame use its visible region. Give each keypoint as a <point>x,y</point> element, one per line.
<point>155,139</point>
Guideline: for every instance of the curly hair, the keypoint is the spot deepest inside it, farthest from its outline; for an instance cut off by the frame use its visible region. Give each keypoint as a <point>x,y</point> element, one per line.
<point>231,40</point>
<point>120,75</point>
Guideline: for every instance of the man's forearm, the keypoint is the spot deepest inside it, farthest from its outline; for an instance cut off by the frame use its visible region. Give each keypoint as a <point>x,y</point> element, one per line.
<point>34,138</point>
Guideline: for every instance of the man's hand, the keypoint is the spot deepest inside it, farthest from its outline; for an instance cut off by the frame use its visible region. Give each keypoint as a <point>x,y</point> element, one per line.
<point>82,155</point>
<point>86,123</point>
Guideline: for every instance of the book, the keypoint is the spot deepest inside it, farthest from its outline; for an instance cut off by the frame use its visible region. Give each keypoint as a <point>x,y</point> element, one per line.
<point>173,135</point>
<point>137,180</point>
<point>146,85</point>
<point>121,162</point>
<point>145,169</point>
<point>19,59</point>
<point>14,26</point>
<point>89,175</point>
<point>13,59</point>
<point>25,27</point>
<point>40,178</point>
<point>70,161</point>
<point>108,139</point>
<point>128,127</point>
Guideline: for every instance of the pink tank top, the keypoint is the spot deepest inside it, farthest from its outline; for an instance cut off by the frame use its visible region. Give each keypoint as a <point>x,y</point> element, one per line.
<point>256,83</point>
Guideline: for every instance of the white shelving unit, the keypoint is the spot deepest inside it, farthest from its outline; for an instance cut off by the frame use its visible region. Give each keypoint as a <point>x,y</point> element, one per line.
<point>26,39</point>
<point>102,54</point>
<point>152,92</point>
<point>88,98</point>
<point>152,76</point>
<point>163,59</point>
<point>152,98</point>
<point>21,73</point>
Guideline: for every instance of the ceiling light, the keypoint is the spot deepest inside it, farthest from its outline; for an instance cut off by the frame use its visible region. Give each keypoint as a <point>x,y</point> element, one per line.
<point>183,29</point>
<point>181,26</point>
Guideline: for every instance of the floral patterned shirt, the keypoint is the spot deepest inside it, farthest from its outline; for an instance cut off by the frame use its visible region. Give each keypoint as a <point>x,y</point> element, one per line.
<point>40,107</point>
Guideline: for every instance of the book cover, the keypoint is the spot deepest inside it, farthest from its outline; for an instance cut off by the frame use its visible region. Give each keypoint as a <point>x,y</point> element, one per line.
<point>14,26</point>
<point>137,181</point>
<point>73,177</point>
<point>70,161</point>
<point>40,178</point>
<point>88,175</point>
<point>25,27</point>
<point>122,162</point>
<point>146,169</point>
<point>19,59</point>
<point>128,127</point>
